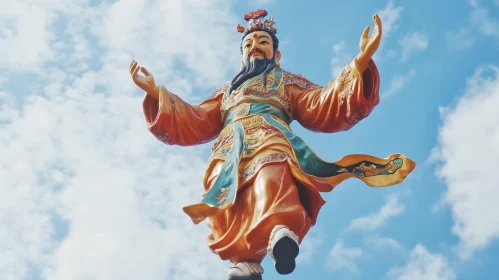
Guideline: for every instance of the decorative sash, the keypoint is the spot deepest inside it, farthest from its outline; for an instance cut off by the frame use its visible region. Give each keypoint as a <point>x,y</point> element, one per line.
<point>222,193</point>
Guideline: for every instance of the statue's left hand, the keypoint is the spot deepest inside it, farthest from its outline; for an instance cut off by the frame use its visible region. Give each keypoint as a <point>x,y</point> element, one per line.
<point>146,82</point>
<point>369,45</point>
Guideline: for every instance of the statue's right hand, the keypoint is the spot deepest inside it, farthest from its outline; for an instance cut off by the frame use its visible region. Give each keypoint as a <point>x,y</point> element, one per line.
<point>146,83</point>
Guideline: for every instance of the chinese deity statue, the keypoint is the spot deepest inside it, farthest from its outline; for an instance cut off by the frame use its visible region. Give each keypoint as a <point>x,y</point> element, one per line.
<point>263,182</point>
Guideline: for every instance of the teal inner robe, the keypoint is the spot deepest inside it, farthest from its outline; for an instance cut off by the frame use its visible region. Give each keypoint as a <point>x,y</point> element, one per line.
<point>223,192</point>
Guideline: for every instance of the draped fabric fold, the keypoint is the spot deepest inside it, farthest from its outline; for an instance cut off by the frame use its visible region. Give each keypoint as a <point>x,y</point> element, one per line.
<point>260,174</point>
<point>374,171</point>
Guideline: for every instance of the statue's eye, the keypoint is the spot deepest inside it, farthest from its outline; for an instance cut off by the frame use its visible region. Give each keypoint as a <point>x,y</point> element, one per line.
<point>247,46</point>
<point>264,43</point>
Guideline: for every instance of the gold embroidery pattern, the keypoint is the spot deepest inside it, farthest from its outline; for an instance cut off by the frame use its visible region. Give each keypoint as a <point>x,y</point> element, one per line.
<point>344,84</point>
<point>223,144</point>
<point>255,136</point>
<point>254,90</point>
<point>252,121</point>
<point>265,128</point>
<point>235,98</point>
<point>222,89</point>
<point>173,104</point>
<point>222,197</point>
<point>373,170</point>
<point>345,91</point>
<point>240,110</point>
<point>271,94</point>
<point>345,79</point>
<point>256,131</point>
<point>252,82</point>
<point>343,170</point>
<point>248,144</point>
<point>228,131</point>
<point>344,94</point>
<point>251,170</point>
<point>290,78</point>
<point>163,138</point>
<point>369,169</point>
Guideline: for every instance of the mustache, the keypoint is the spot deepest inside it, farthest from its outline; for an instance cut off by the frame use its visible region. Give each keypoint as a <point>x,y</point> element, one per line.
<point>256,51</point>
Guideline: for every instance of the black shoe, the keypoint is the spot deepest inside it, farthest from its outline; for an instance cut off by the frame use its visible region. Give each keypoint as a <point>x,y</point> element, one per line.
<point>285,252</point>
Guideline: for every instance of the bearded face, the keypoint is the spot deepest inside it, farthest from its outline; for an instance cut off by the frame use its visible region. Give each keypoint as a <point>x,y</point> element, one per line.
<point>258,57</point>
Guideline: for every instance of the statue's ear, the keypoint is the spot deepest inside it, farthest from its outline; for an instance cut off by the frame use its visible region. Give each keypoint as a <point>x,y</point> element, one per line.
<point>277,58</point>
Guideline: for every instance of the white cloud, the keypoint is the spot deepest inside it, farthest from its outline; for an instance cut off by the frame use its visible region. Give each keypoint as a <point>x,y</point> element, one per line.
<point>397,83</point>
<point>413,42</point>
<point>467,148</point>
<point>481,19</point>
<point>423,265</point>
<point>8,110</point>
<point>88,159</point>
<point>88,192</point>
<point>310,244</point>
<point>340,59</point>
<point>382,243</point>
<point>37,33</point>
<point>26,36</point>
<point>459,40</point>
<point>189,32</point>
<point>389,17</point>
<point>3,80</point>
<point>375,220</point>
<point>342,258</point>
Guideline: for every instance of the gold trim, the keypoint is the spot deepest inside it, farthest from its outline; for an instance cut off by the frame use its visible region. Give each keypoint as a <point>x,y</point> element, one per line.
<point>374,181</point>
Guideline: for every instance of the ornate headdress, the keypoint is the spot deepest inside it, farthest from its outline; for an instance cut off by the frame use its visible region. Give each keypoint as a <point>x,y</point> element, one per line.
<point>257,21</point>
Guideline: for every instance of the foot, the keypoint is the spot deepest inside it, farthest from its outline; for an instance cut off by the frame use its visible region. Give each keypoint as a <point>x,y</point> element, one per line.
<point>245,271</point>
<point>283,248</point>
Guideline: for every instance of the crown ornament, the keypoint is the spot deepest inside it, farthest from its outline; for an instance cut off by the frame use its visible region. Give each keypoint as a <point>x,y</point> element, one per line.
<point>257,21</point>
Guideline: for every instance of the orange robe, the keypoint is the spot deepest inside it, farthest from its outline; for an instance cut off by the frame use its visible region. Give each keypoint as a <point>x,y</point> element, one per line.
<point>276,181</point>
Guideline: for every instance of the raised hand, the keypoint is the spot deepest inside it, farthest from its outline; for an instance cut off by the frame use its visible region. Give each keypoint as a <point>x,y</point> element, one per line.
<point>146,83</point>
<point>369,45</point>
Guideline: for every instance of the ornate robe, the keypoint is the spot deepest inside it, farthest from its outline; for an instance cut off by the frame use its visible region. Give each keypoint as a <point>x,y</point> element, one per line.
<point>251,128</point>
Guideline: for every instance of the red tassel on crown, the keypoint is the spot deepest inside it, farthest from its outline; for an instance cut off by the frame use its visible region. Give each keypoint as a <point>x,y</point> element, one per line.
<point>257,21</point>
<point>259,13</point>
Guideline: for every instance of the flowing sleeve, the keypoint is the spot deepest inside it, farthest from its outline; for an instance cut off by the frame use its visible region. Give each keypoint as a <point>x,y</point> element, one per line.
<point>175,122</point>
<point>339,105</point>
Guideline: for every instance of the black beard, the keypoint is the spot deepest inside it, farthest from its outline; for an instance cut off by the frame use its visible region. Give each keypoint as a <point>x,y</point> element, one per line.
<point>253,68</point>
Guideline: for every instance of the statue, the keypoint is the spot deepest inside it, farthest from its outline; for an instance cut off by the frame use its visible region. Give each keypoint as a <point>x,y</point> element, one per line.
<point>263,182</point>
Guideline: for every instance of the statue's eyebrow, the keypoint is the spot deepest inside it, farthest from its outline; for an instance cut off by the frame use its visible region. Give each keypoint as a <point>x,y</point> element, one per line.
<point>264,36</point>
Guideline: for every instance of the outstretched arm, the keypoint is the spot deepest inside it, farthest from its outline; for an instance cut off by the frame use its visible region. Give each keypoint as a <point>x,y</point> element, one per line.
<point>339,105</point>
<point>172,120</point>
<point>348,98</point>
<point>175,122</point>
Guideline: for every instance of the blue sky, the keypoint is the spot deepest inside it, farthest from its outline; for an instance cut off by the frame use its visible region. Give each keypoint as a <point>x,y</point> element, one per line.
<point>88,193</point>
